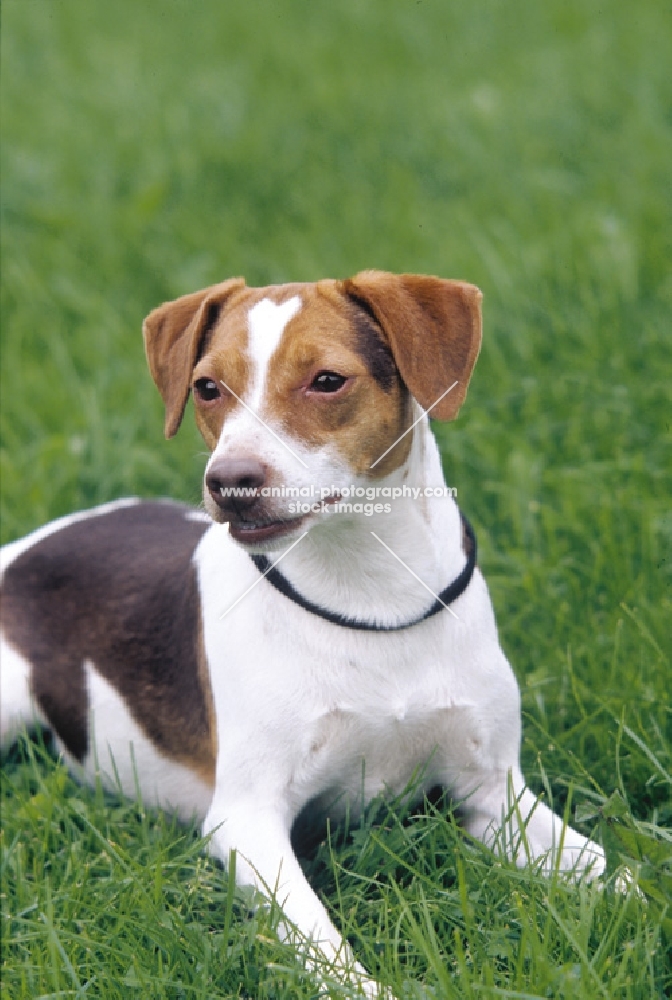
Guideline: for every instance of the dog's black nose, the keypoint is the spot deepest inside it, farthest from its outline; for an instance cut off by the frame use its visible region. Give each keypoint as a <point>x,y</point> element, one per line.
<point>234,483</point>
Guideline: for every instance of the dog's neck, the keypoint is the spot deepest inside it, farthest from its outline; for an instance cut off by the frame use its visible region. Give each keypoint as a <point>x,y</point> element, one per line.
<point>343,564</point>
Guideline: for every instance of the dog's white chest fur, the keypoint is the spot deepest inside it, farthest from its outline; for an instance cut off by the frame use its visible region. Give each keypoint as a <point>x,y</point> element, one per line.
<point>355,715</point>
<point>356,755</point>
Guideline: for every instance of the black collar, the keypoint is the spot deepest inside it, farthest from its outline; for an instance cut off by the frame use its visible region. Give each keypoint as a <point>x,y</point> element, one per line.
<point>446,597</point>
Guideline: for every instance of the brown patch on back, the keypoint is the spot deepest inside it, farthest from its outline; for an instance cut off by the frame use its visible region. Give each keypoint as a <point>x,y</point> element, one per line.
<point>207,758</point>
<point>118,589</point>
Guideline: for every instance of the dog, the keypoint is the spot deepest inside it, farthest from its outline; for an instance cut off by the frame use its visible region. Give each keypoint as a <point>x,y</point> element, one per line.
<point>319,633</point>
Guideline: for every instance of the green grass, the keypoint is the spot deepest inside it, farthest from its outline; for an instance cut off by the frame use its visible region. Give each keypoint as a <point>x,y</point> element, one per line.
<point>149,149</point>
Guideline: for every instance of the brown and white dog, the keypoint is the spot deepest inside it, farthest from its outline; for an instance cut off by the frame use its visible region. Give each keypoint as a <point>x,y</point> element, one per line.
<point>247,690</point>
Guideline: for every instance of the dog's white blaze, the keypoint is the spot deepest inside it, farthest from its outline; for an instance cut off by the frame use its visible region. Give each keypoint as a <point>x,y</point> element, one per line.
<point>267,322</point>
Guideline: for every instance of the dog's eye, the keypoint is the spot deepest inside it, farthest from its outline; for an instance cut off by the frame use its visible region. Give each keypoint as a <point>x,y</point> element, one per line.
<point>206,389</point>
<point>327,382</point>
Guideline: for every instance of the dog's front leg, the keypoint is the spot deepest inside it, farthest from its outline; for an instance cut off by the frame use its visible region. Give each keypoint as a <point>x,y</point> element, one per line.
<point>506,815</point>
<point>260,836</point>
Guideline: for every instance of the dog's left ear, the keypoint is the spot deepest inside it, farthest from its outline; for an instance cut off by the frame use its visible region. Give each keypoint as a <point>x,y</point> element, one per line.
<point>173,336</point>
<point>434,331</point>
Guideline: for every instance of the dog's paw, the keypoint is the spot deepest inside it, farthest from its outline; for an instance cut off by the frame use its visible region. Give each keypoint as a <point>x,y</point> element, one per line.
<point>625,883</point>
<point>356,978</point>
<point>339,975</point>
<point>584,860</point>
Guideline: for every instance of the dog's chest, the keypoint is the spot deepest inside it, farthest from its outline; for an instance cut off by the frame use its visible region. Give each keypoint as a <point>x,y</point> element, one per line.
<point>319,711</point>
<point>387,743</point>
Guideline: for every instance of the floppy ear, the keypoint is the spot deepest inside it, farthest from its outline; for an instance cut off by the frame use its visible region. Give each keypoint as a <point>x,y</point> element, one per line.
<point>433,327</point>
<point>173,336</point>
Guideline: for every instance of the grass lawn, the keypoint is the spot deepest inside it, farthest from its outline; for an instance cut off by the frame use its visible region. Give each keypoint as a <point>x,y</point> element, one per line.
<point>151,148</point>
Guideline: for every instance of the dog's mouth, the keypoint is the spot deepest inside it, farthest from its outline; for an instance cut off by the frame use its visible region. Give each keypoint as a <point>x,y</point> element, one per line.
<point>252,532</point>
<point>255,524</point>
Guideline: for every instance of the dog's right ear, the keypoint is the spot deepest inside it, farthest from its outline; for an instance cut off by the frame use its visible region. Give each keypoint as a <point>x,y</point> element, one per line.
<point>173,336</point>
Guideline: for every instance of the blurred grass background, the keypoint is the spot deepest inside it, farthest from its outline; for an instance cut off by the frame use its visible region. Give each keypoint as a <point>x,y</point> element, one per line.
<point>150,149</point>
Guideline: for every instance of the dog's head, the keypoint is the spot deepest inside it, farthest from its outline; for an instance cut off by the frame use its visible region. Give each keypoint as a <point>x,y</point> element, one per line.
<point>303,390</point>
